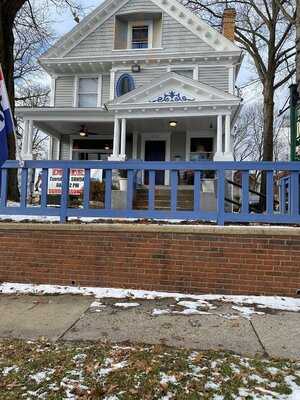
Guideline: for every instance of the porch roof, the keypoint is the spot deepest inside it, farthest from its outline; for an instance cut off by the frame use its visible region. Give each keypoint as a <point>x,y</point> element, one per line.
<point>105,127</point>
<point>64,114</point>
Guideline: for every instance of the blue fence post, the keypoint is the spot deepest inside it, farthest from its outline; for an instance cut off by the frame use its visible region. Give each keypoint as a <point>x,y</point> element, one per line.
<point>221,197</point>
<point>151,190</point>
<point>87,188</point>
<point>294,193</point>
<point>44,188</point>
<point>24,182</point>
<point>197,191</point>
<point>270,193</point>
<point>174,190</point>
<point>108,188</point>
<point>245,192</point>
<point>3,200</point>
<point>64,195</point>
<point>289,195</point>
<point>282,196</point>
<point>130,182</point>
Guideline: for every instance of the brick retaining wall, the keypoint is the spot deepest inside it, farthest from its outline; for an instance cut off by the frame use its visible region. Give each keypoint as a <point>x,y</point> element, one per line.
<point>193,259</point>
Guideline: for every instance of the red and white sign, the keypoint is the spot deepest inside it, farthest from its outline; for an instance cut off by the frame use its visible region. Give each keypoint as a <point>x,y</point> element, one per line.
<point>76,184</point>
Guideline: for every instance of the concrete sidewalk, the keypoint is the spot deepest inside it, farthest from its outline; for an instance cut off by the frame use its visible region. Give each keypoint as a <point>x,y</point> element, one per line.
<point>72,318</point>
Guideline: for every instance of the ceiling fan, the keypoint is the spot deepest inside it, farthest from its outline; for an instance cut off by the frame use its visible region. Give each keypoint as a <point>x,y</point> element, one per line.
<point>84,132</point>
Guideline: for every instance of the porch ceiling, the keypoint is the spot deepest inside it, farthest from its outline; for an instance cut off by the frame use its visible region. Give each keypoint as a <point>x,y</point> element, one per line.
<point>57,128</point>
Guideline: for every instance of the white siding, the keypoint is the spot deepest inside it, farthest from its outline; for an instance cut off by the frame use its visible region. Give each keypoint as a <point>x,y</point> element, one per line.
<point>105,88</point>
<point>216,76</point>
<point>175,37</point>
<point>64,91</point>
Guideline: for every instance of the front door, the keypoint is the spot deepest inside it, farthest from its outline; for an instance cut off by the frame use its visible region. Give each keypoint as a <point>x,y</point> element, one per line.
<point>155,150</point>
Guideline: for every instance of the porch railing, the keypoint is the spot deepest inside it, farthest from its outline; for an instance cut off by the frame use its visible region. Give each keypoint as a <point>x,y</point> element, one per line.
<point>223,212</point>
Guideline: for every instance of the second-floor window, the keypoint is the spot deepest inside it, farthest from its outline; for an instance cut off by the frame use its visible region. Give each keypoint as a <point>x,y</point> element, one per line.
<point>88,92</point>
<point>140,34</point>
<point>140,37</point>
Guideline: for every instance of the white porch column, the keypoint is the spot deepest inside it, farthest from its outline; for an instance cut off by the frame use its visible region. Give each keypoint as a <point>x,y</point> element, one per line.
<point>134,145</point>
<point>27,140</point>
<point>112,84</point>
<point>116,138</point>
<point>123,138</point>
<point>55,148</point>
<point>50,148</point>
<point>219,153</point>
<point>228,135</point>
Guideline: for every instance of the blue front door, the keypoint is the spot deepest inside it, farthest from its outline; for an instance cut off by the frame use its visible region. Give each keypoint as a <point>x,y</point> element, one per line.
<point>155,150</point>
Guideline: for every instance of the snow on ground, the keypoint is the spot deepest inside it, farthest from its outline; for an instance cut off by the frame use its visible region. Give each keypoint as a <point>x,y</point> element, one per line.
<point>126,305</point>
<point>197,304</point>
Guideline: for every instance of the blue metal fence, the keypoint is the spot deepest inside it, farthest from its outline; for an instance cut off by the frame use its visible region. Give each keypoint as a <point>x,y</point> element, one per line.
<point>288,189</point>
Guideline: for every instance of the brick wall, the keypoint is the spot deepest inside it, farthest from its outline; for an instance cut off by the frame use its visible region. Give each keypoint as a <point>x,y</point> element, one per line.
<point>179,258</point>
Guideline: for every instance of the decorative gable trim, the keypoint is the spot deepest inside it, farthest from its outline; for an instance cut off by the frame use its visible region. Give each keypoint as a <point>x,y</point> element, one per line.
<point>176,10</point>
<point>196,25</point>
<point>173,96</point>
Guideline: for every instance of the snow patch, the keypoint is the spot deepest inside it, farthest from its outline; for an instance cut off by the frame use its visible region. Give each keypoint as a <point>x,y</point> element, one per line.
<point>247,312</point>
<point>126,305</point>
<point>272,302</point>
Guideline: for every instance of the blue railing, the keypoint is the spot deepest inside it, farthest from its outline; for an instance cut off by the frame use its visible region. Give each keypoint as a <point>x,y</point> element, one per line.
<point>223,212</point>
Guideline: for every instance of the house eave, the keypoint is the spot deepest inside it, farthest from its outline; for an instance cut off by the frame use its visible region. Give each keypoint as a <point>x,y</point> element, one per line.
<point>101,63</point>
<point>64,114</point>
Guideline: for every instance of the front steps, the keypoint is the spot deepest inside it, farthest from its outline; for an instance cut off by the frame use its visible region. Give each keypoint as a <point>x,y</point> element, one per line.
<point>185,199</point>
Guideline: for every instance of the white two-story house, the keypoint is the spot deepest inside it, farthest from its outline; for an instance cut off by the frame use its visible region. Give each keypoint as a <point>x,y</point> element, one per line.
<point>140,79</point>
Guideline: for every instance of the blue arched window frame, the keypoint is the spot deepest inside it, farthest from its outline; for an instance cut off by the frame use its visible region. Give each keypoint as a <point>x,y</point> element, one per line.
<point>120,81</point>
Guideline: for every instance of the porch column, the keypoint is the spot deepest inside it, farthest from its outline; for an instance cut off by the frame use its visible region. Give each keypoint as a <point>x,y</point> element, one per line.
<point>219,152</point>
<point>123,138</point>
<point>116,138</point>
<point>50,148</point>
<point>27,140</point>
<point>134,145</point>
<point>228,134</point>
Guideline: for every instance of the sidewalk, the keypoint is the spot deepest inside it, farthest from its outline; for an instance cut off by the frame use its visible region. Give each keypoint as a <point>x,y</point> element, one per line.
<point>223,326</point>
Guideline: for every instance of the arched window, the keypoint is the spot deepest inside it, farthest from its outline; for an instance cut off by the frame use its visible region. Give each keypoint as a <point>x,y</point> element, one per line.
<point>125,84</point>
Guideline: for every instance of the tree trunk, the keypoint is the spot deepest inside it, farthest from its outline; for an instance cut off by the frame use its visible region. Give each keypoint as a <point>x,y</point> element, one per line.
<point>7,62</point>
<point>268,135</point>
<point>298,46</point>
<point>268,94</point>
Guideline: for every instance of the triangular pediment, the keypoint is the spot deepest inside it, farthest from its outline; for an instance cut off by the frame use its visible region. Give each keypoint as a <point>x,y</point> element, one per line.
<point>172,88</point>
<point>192,22</point>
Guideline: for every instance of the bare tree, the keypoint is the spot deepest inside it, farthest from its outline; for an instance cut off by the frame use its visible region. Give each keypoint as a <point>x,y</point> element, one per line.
<point>248,135</point>
<point>295,19</point>
<point>33,96</point>
<point>9,12</point>
<point>267,35</point>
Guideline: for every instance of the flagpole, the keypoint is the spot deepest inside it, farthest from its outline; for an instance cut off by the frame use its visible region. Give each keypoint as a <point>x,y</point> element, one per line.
<point>13,121</point>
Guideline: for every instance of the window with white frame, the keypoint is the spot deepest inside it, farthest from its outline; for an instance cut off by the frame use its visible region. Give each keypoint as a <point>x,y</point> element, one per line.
<point>88,92</point>
<point>140,35</point>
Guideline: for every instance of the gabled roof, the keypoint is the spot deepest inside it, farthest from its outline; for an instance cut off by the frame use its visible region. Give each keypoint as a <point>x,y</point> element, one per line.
<point>180,13</point>
<point>173,89</point>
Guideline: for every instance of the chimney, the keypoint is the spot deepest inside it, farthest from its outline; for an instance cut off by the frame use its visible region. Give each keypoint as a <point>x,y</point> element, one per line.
<point>229,23</point>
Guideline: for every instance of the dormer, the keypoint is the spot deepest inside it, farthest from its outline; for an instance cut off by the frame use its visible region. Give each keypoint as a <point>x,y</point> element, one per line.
<point>138,31</point>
